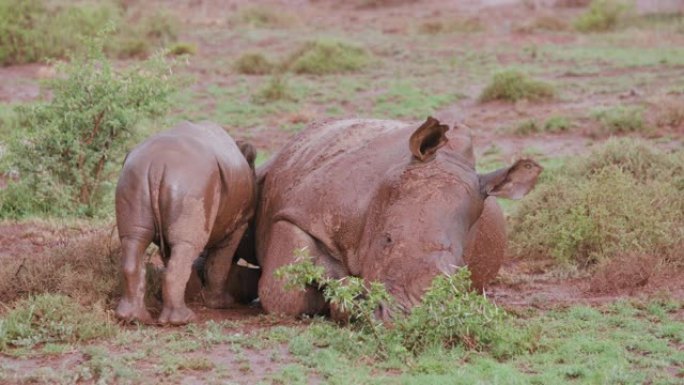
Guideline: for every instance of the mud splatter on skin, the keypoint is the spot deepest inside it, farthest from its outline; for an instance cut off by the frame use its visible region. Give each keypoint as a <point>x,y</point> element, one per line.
<point>384,200</point>
<point>198,194</point>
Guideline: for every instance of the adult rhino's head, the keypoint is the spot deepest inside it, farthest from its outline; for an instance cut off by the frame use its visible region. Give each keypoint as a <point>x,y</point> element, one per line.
<point>418,223</point>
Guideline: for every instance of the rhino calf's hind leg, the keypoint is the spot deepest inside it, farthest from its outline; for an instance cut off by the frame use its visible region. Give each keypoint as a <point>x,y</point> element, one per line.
<point>178,269</point>
<point>132,305</point>
<point>217,267</point>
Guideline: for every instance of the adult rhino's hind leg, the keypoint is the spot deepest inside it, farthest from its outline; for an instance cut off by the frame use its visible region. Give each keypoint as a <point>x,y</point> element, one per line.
<point>178,269</point>
<point>284,239</point>
<point>132,304</point>
<point>217,268</point>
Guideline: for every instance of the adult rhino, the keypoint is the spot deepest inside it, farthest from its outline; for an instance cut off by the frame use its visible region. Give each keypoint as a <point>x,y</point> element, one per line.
<point>383,200</point>
<point>190,190</point>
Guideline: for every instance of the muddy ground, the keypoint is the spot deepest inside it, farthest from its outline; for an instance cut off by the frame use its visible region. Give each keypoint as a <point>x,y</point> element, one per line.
<point>642,66</point>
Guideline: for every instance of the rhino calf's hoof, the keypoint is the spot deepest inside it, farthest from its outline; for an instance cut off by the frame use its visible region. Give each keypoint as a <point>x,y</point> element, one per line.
<point>177,316</point>
<point>128,312</point>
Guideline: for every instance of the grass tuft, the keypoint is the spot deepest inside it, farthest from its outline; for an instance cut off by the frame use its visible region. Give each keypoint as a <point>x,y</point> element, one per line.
<point>276,89</point>
<point>626,197</point>
<point>180,49</point>
<point>85,268</point>
<point>258,16</point>
<point>253,63</point>
<point>325,56</point>
<point>602,16</point>
<point>439,26</point>
<point>52,318</point>
<point>620,119</point>
<point>512,85</point>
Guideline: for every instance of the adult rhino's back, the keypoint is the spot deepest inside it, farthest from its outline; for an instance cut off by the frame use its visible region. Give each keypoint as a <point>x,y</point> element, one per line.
<point>325,160</point>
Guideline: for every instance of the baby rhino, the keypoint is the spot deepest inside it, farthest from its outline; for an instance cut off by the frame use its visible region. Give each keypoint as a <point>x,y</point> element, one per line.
<point>189,190</point>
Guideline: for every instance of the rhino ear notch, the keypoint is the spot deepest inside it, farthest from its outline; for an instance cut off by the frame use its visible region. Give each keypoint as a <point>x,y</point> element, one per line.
<point>248,151</point>
<point>427,139</point>
<point>512,182</point>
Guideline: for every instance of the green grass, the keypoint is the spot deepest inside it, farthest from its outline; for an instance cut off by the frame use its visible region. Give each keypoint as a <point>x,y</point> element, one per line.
<point>513,85</point>
<point>554,124</point>
<point>51,318</point>
<point>629,342</point>
<point>616,55</point>
<point>404,100</point>
<point>620,119</point>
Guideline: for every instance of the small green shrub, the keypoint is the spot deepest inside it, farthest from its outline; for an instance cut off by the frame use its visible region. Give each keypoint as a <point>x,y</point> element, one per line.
<point>321,57</point>
<point>626,197</point>
<point>527,127</point>
<point>264,17</point>
<point>180,49</point>
<point>439,26</point>
<point>603,15</point>
<point>557,124</point>
<point>253,63</point>
<point>69,147</point>
<point>512,85</point>
<point>620,119</point>
<point>52,318</point>
<point>450,313</point>
<point>276,89</point>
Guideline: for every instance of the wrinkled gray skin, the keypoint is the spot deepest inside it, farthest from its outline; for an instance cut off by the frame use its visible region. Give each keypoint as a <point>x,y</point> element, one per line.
<point>189,189</point>
<point>383,200</point>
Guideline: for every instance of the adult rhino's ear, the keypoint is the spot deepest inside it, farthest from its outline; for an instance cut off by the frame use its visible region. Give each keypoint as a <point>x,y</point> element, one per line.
<point>429,137</point>
<point>512,182</point>
<point>248,151</point>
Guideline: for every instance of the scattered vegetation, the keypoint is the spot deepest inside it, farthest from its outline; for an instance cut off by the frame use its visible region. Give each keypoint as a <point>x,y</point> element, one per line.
<point>544,23</point>
<point>86,269</point>
<point>37,30</point>
<point>253,63</point>
<point>67,147</point>
<point>450,314</point>
<point>603,15</point>
<point>626,197</point>
<point>513,85</point>
<point>620,119</point>
<point>260,16</point>
<point>276,89</point>
<point>402,100</point>
<point>554,124</point>
<point>325,56</point>
<point>669,113</point>
<point>52,318</point>
<point>436,26</point>
<point>180,49</point>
